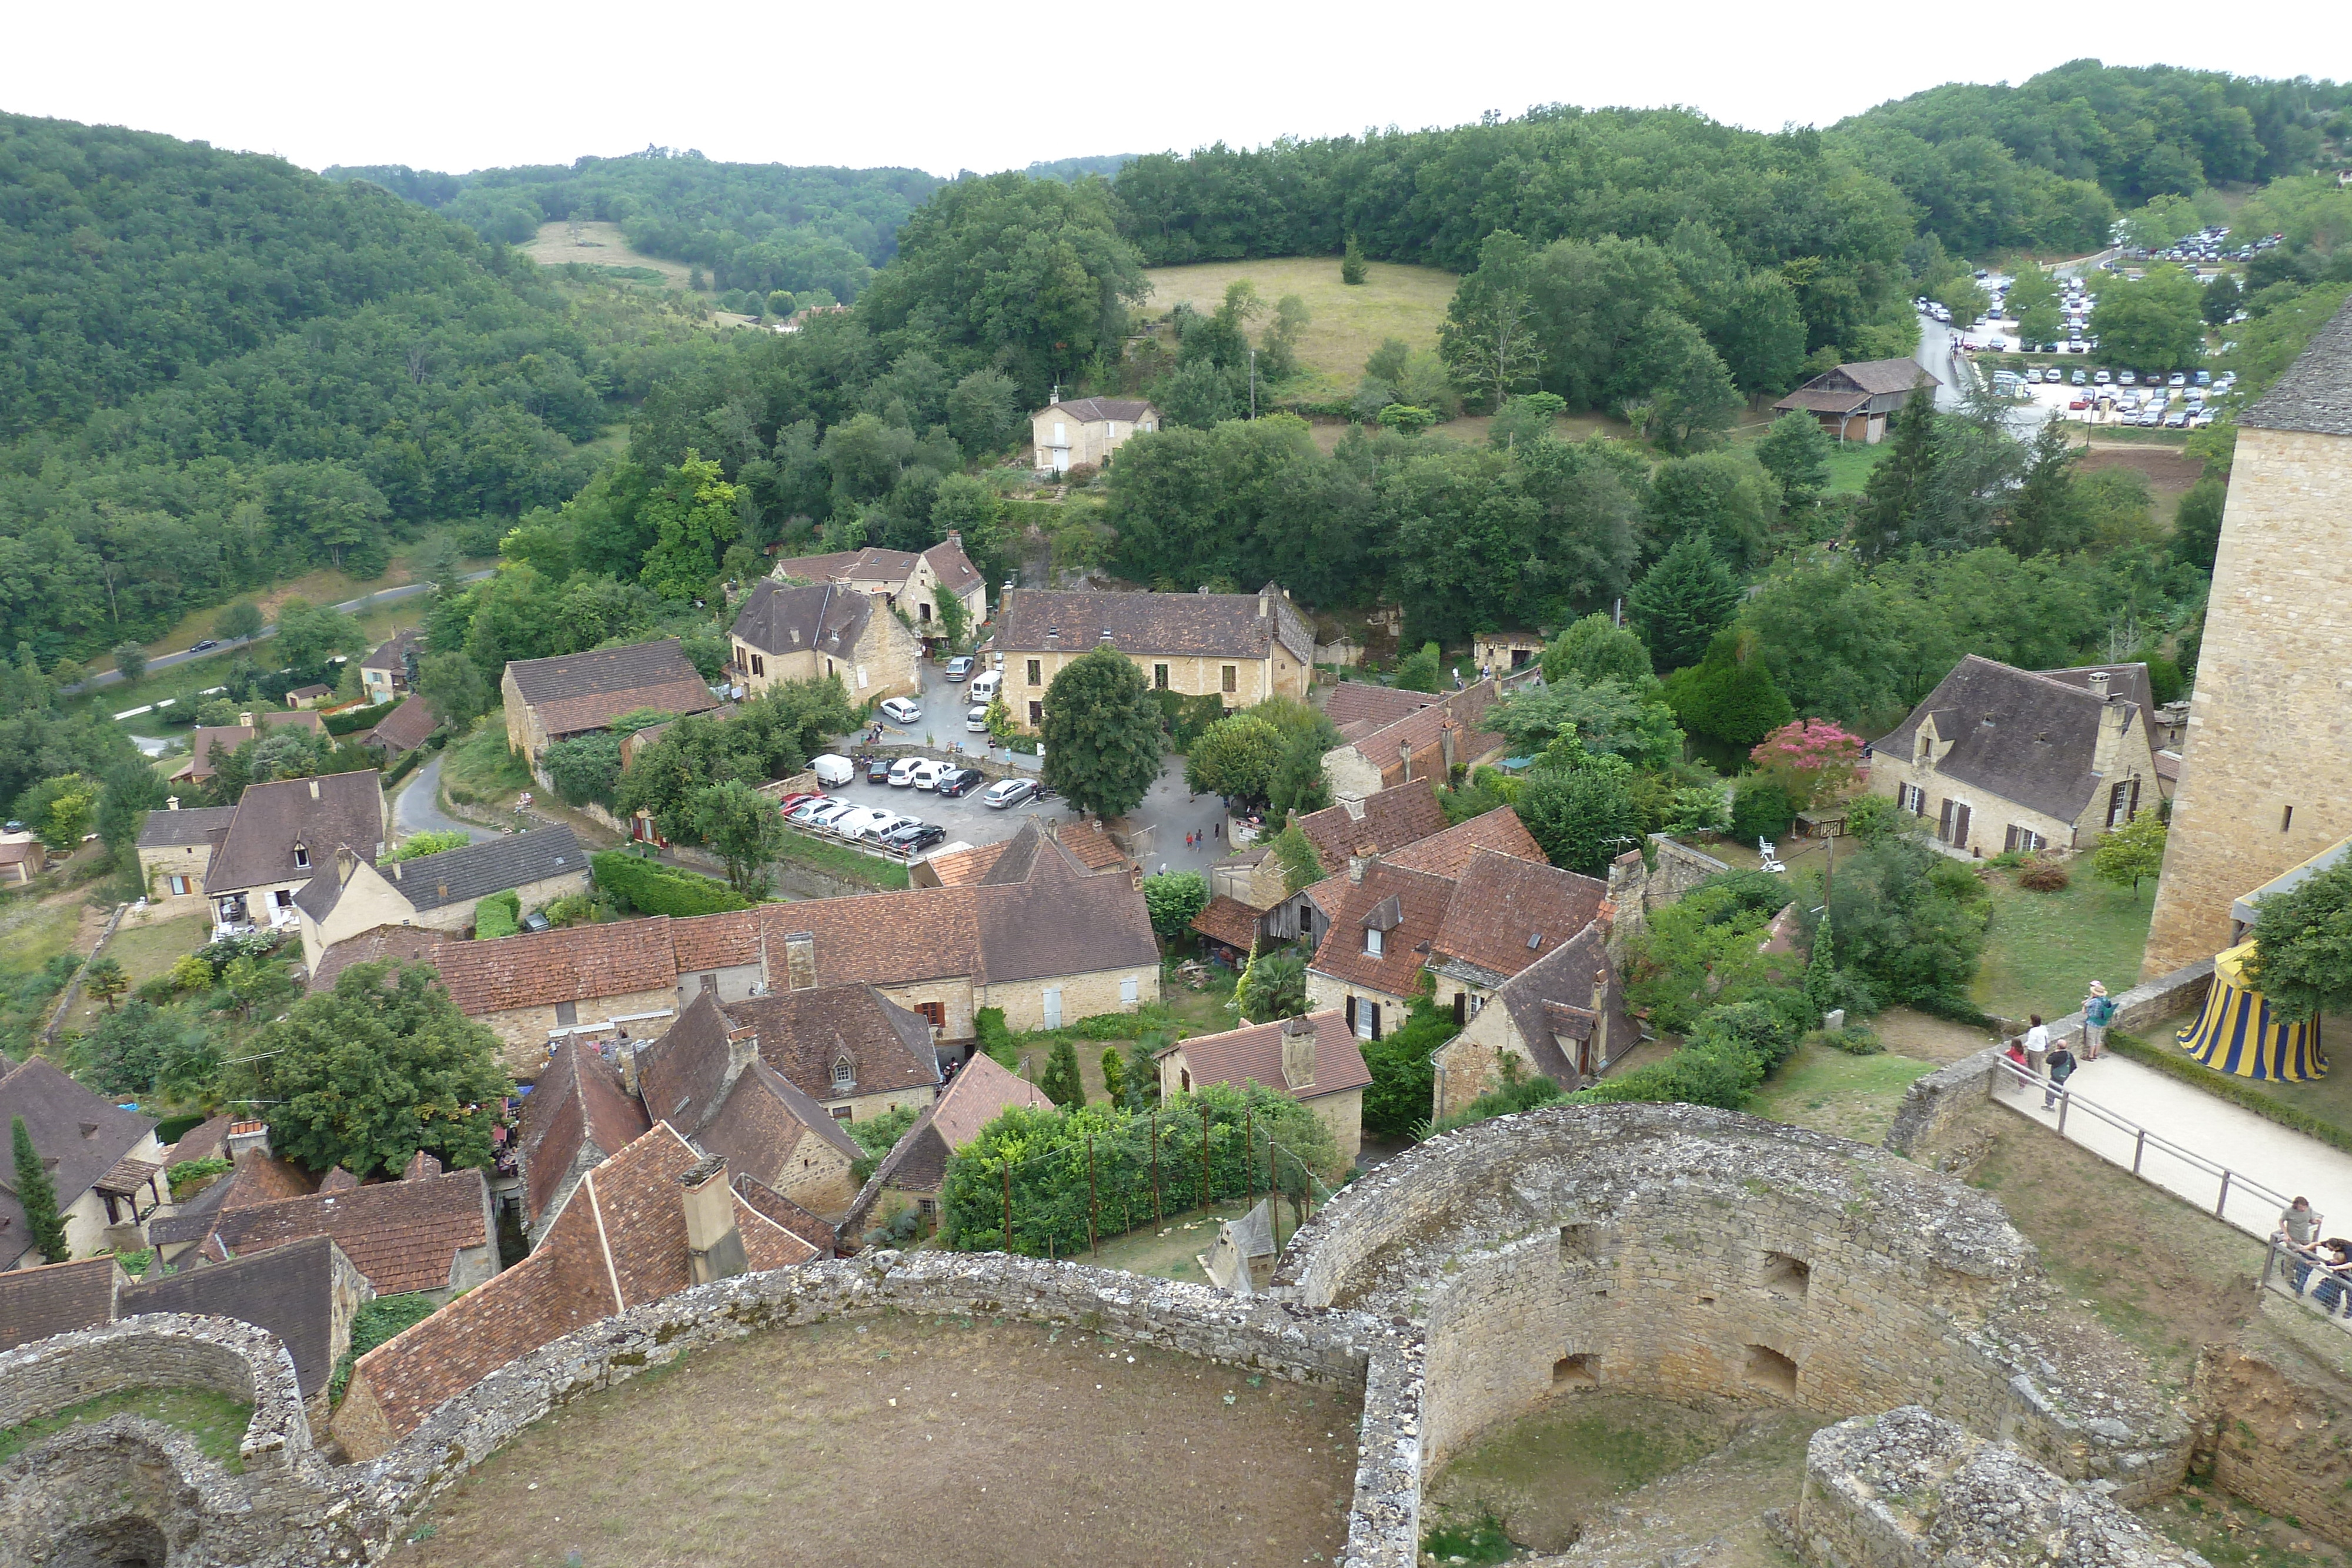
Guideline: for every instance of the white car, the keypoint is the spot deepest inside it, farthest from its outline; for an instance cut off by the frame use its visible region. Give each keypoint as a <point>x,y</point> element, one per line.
<point>902,772</point>
<point>1007,792</point>
<point>799,815</point>
<point>859,820</point>
<point>898,710</point>
<point>927,775</point>
<point>975,718</point>
<point>890,823</point>
<point>825,817</point>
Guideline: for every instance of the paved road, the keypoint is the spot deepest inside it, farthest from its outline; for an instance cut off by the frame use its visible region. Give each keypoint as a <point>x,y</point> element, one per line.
<point>417,808</point>
<point>350,606</point>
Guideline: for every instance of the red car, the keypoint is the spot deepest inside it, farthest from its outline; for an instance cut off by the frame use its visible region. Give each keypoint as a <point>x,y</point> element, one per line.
<point>787,802</point>
<point>2078,405</point>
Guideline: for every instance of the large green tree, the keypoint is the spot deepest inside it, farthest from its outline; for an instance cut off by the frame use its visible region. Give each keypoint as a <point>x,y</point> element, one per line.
<point>1236,757</point>
<point>742,827</point>
<point>1597,649</point>
<point>366,1074</point>
<point>1101,734</point>
<point>694,517</point>
<point>1797,451</point>
<point>2158,323</point>
<point>1684,601</point>
<point>1582,818</point>
<point>2302,944</point>
<point>1490,340</point>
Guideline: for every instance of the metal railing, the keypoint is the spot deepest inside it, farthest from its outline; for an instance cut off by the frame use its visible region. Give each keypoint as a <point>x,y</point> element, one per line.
<point>2330,1297</point>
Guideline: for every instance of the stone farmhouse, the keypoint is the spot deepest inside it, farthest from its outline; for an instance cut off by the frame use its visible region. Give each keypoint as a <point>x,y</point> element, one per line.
<point>2269,746</point>
<point>572,694</point>
<point>437,891</point>
<point>104,1161</point>
<point>1241,648</point>
<point>431,1231</point>
<point>1391,737</point>
<point>913,1173</point>
<point>213,741</point>
<point>1563,1016</point>
<point>1072,432</point>
<point>1314,1060</point>
<point>813,633</point>
<point>539,986</point>
<point>2006,759</point>
<point>391,669</point>
<point>402,730</point>
<point>913,582</point>
<point>1853,402</point>
<point>261,852</point>
<point>647,1222</point>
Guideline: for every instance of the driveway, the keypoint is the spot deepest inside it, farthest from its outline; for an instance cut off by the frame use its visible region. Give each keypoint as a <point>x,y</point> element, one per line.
<point>417,808</point>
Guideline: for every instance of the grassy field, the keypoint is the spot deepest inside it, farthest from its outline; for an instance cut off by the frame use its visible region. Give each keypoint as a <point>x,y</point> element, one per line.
<point>2045,948</point>
<point>216,1422</point>
<point>482,767</point>
<point>1830,1091</point>
<point>1852,464</point>
<point>145,952</point>
<point>841,861</point>
<point>1346,324</point>
<point>599,245</point>
<point>33,931</point>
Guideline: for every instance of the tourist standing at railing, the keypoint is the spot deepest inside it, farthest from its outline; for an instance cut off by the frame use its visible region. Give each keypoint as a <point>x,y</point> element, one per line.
<point>2015,1056</point>
<point>2098,1012</point>
<point>2298,1224</point>
<point>2062,1068</point>
<point>2335,1275</point>
<point>2037,1043</point>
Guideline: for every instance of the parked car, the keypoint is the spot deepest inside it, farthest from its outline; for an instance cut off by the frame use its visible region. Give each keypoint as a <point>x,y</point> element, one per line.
<point>827,815</point>
<point>2177,380</point>
<point>959,667</point>
<point>914,838</point>
<point>975,718</point>
<point>860,821</point>
<point>1008,792</point>
<point>885,823</point>
<point>799,815</point>
<point>926,776</point>
<point>2127,379</point>
<point>902,772</point>
<point>898,710</point>
<point>963,781</point>
<point>2078,405</point>
<point>788,804</point>
<point>206,646</point>
<point>2080,379</point>
<point>877,771</point>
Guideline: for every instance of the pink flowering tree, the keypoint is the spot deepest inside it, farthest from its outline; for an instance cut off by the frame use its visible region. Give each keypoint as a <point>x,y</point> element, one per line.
<point>1811,758</point>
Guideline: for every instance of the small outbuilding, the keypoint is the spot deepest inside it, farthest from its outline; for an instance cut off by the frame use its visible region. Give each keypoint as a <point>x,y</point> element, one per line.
<point>1855,401</point>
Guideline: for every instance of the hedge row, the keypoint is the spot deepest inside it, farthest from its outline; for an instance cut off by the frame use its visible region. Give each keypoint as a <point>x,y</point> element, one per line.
<point>351,720</point>
<point>651,888</point>
<point>2228,1086</point>
<point>501,914</point>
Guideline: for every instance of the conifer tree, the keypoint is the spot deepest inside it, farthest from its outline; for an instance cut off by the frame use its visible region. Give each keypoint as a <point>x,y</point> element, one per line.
<point>37,1196</point>
<point>1060,1082</point>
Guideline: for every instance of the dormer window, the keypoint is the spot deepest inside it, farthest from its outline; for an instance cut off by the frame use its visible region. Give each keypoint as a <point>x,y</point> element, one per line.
<point>845,1073</point>
<point>302,856</point>
<point>1372,942</point>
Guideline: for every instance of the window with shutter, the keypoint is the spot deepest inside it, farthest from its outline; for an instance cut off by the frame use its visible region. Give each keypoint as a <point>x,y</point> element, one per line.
<point>1376,1021</point>
<point>1944,822</point>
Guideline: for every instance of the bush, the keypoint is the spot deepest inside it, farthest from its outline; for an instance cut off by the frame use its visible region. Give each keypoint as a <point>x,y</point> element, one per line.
<point>189,1175</point>
<point>995,1040</point>
<point>1855,1040</point>
<point>1762,809</point>
<point>649,887</point>
<point>350,721</point>
<point>374,1323</point>
<point>501,914</point>
<point>2043,876</point>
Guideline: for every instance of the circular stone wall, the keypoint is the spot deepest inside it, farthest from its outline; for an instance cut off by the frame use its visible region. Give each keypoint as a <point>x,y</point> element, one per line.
<point>1679,1252</point>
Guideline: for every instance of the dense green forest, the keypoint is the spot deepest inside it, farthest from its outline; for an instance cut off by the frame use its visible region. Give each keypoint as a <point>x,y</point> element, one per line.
<point>755,227</point>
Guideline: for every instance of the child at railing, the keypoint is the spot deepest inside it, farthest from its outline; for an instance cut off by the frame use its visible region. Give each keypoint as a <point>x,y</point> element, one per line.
<point>2018,1068</point>
<point>2335,1287</point>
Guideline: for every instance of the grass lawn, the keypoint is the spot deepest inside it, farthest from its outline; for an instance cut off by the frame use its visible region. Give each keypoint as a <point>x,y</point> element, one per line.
<point>1345,324</point>
<point>144,952</point>
<point>1830,1091</point>
<point>216,1422</point>
<point>2045,948</point>
<point>601,244</point>
<point>2328,1098</point>
<point>481,770</point>
<point>841,861</point>
<point>33,931</point>
<point>1850,465</point>
<point>1169,1251</point>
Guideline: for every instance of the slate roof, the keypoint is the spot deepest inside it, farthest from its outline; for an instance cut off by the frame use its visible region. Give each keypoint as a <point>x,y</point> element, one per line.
<point>2027,738</point>
<point>187,826</point>
<point>683,1075</point>
<point>1254,1055</point>
<point>406,727</point>
<point>948,562</point>
<point>981,1092</point>
<point>952,566</point>
<point>778,619</point>
<point>1230,920</point>
<point>802,1033</point>
<point>2316,391</point>
<point>77,1135</point>
<point>1204,626</point>
<point>56,1297</point>
<point>577,1103</point>
<point>204,1141</point>
<point>1420,908</point>
<point>1446,853</point>
<point>1551,1001</point>
<point>491,865</point>
<point>576,963</point>
<point>2129,681</point>
<point>288,1290</point>
<point>403,1235</point>
<point>389,655</point>
<point>576,692</point>
<point>1392,819</point>
<point>619,1243</point>
<point>411,943</point>
<point>1507,912</point>
<point>1098,410</point>
<point>347,811</point>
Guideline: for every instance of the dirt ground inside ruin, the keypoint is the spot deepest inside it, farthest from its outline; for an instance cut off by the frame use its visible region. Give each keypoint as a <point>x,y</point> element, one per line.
<point>916,1440</point>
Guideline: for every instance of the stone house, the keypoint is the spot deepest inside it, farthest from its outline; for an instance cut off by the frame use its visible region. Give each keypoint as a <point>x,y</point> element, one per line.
<point>1072,432</point>
<point>1241,648</point>
<point>789,634</point>
<point>2007,759</point>
<point>714,1078</point>
<point>912,1175</point>
<point>310,696</point>
<point>1563,1016</point>
<point>1314,1060</point>
<point>1853,402</point>
<point>531,989</point>
<point>431,1231</point>
<point>2269,747</point>
<point>213,741</point>
<point>651,1220</point>
<point>283,835</point>
<point>437,891</point>
<point>577,1116</point>
<point>1507,652</point>
<point>1430,739</point>
<point>105,1163</point>
<point>254,1176</point>
<point>913,582</point>
<point>1079,848</point>
<point>403,729</point>
<point>23,857</point>
<point>408,943</point>
<point>174,847</point>
<point>389,670</point>
<point>723,954</point>
<point>572,694</point>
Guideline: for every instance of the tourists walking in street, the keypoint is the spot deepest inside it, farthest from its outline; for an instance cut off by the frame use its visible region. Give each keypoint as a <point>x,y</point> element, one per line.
<point>2098,1012</point>
<point>2062,1068</point>
<point>2037,1043</point>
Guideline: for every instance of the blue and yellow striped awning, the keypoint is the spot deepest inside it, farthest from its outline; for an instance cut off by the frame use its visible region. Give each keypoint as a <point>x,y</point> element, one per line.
<point>2238,1033</point>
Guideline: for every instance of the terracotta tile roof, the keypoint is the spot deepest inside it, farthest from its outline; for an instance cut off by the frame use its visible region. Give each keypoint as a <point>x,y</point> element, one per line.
<point>1356,702</point>
<point>257,1177</point>
<point>1392,819</point>
<point>1204,626</point>
<point>410,944</point>
<point>338,1180</point>
<point>288,1290</point>
<point>404,729</point>
<point>321,815</point>
<point>204,1141</point>
<point>403,1235</point>
<point>577,1105</point>
<point>76,1134</point>
<point>803,1034</point>
<point>1424,730</point>
<point>213,741</point>
<point>1418,903</point>
<point>56,1297</point>
<point>1446,853</point>
<point>963,867</point>
<point>188,826</point>
<point>981,1092</point>
<point>1551,1002</point>
<point>576,692</point>
<point>1507,912</point>
<point>995,933</point>
<point>837,564</point>
<point>1230,920</point>
<point>486,866</point>
<point>577,964</point>
<point>817,1232</point>
<point>762,1123</point>
<point>1254,1055</point>
<point>1091,846</point>
<point>619,1243</point>
<point>706,942</point>
<point>778,619</point>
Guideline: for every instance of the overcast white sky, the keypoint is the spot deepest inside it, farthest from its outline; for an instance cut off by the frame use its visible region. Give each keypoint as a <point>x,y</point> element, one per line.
<point>450,86</point>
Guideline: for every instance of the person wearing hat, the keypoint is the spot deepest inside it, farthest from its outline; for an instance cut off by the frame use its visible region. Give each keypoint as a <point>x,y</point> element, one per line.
<point>2098,1012</point>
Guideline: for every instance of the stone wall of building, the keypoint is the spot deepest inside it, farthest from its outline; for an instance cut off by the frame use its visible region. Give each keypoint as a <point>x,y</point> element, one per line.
<point>2275,1406</point>
<point>2269,751</point>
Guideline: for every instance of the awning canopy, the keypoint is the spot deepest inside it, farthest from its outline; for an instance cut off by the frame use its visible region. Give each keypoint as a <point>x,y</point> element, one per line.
<point>2237,1033</point>
<point>2243,910</point>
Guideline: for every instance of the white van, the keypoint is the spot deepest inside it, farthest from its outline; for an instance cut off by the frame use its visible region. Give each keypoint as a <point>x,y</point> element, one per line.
<point>833,771</point>
<point>983,688</point>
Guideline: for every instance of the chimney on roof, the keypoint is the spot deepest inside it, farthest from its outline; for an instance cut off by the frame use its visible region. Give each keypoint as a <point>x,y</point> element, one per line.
<point>1445,740</point>
<point>1264,602</point>
<point>1107,639</point>
<point>2107,752</point>
<point>714,1248</point>
<point>1404,754</point>
<point>1359,862</point>
<point>742,1045</point>
<point>2099,685</point>
<point>1601,1041</point>
<point>799,960</point>
<point>246,719</point>
<point>171,802</point>
<point>314,788</point>
<point>244,1135</point>
<point>421,1167</point>
<point>955,538</point>
<point>1297,1055</point>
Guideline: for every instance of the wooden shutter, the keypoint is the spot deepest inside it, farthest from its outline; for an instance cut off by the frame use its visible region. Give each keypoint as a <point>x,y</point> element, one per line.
<point>1460,1008</point>
<point>1351,1015</point>
<point>2131,807</point>
<point>2008,840</point>
<point>1944,822</point>
<point>1960,826</point>
<point>1376,1021</point>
